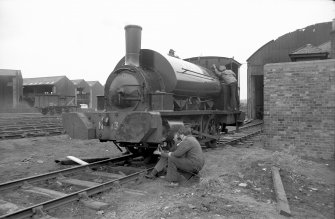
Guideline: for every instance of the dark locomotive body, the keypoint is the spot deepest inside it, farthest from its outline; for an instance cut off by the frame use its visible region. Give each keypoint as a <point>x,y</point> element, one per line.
<point>149,95</point>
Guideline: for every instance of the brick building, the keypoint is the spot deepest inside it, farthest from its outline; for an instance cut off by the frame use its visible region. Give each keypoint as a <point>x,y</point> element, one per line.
<point>299,113</point>
<point>299,102</point>
<point>277,51</point>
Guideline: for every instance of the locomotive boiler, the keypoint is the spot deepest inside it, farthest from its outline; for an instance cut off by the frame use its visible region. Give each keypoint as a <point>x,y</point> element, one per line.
<point>148,96</point>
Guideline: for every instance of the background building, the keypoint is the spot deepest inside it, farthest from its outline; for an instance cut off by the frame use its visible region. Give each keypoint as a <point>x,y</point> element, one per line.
<point>277,51</point>
<point>299,102</point>
<point>96,89</point>
<point>10,89</point>
<point>82,92</point>
<point>56,85</point>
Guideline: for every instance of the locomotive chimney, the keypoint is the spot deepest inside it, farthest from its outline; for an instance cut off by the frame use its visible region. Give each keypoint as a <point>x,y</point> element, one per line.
<point>133,44</point>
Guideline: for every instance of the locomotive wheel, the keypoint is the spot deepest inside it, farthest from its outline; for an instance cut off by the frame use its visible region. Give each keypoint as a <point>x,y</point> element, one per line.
<point>211,143</point>
<point>59,110</point>
<point>44,111</point>
<point>133,150</point>
<point>211,129</point>
<point>52,111</point>
<point>146,152</point>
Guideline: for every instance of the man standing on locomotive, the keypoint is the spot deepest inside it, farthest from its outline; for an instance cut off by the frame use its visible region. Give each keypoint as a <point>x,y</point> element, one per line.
<point>229,78</point>
<point>188,157</point>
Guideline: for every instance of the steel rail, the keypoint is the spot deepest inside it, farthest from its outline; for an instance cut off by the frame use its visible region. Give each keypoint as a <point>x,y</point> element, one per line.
<point>240,138</point>
<point>251,125</point>
<point>246,127</point>
<point>30,211</point>
<point>54,174</point>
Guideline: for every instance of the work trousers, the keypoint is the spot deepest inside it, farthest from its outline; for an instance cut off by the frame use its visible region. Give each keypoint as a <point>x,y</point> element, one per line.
<point>173,164</point>
<point>234,99</point>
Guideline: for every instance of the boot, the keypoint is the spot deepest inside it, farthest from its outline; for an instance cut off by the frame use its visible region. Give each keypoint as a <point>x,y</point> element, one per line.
<point>152,174</point>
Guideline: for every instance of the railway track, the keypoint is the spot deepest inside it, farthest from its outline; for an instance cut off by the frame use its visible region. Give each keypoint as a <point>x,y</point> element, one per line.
<point>79,183</point>
<point>29,125</point>
<point>64,186</point>
<point>244,133</point>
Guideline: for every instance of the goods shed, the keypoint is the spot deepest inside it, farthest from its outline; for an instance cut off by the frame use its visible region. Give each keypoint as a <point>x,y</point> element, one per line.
<point>277,51</point>
<point>56,85</point>
<point>82,92</point>
<point>96,89</point>
<point>10,89</point>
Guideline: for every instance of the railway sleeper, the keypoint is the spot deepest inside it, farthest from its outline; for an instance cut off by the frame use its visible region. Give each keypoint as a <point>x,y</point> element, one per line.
<point>90,203</point>
<point>44,192</point>
<point>39,213</point>
<point>78,182</point>
<point>8,207</point>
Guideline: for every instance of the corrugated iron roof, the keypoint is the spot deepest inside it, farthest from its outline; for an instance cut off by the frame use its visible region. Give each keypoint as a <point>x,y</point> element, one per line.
<point>42,80</point>
<point>77,81</point>
<point>81,83</point>
<point>307,49</point>
<point>325,47</point>
<point>92,83</point>
<point>277,50</point>
<point>9,72</point>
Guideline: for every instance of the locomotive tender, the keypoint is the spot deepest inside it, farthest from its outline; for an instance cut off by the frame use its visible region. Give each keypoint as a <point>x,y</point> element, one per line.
<point>149,96</point>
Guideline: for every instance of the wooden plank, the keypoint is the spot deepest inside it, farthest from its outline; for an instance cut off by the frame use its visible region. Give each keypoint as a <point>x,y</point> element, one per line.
<point>45,192</point>
<point>134,192</point>
<point>78,182</point>
<point>282,203</point>
<point>8,207</point>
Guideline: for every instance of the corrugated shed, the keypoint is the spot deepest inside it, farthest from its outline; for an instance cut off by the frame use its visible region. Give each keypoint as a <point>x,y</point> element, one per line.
<point>60,85</point>
<point>42,80</point>
<point>278,50</point>
<point>96,89</point>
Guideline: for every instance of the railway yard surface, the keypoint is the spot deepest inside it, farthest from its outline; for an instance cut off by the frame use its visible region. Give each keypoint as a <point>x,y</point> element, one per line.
<point>236,181</point>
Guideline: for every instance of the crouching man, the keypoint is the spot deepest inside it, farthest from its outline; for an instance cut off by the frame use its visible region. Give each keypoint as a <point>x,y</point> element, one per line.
<point>188,157</point>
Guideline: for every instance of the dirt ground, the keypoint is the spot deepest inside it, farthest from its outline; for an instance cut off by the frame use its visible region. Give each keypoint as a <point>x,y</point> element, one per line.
<point>236,182</point>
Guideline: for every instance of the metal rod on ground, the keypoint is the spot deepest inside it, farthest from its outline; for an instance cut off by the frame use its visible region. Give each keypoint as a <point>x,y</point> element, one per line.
<point>282,203</point>
<point>77,160</point>
<point>66,161</point>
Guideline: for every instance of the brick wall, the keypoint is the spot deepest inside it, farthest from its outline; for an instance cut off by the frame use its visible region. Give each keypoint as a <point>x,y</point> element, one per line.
<point>299,107</point>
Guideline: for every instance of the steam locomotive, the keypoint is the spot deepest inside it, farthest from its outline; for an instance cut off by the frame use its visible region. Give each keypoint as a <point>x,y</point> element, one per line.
<point>149,96</point>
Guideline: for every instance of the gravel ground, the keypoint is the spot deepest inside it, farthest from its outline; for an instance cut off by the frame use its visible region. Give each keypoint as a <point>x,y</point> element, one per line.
<point>236,182</point>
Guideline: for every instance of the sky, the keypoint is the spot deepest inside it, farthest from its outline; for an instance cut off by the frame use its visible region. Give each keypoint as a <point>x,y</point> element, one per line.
<point>84,39</point>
